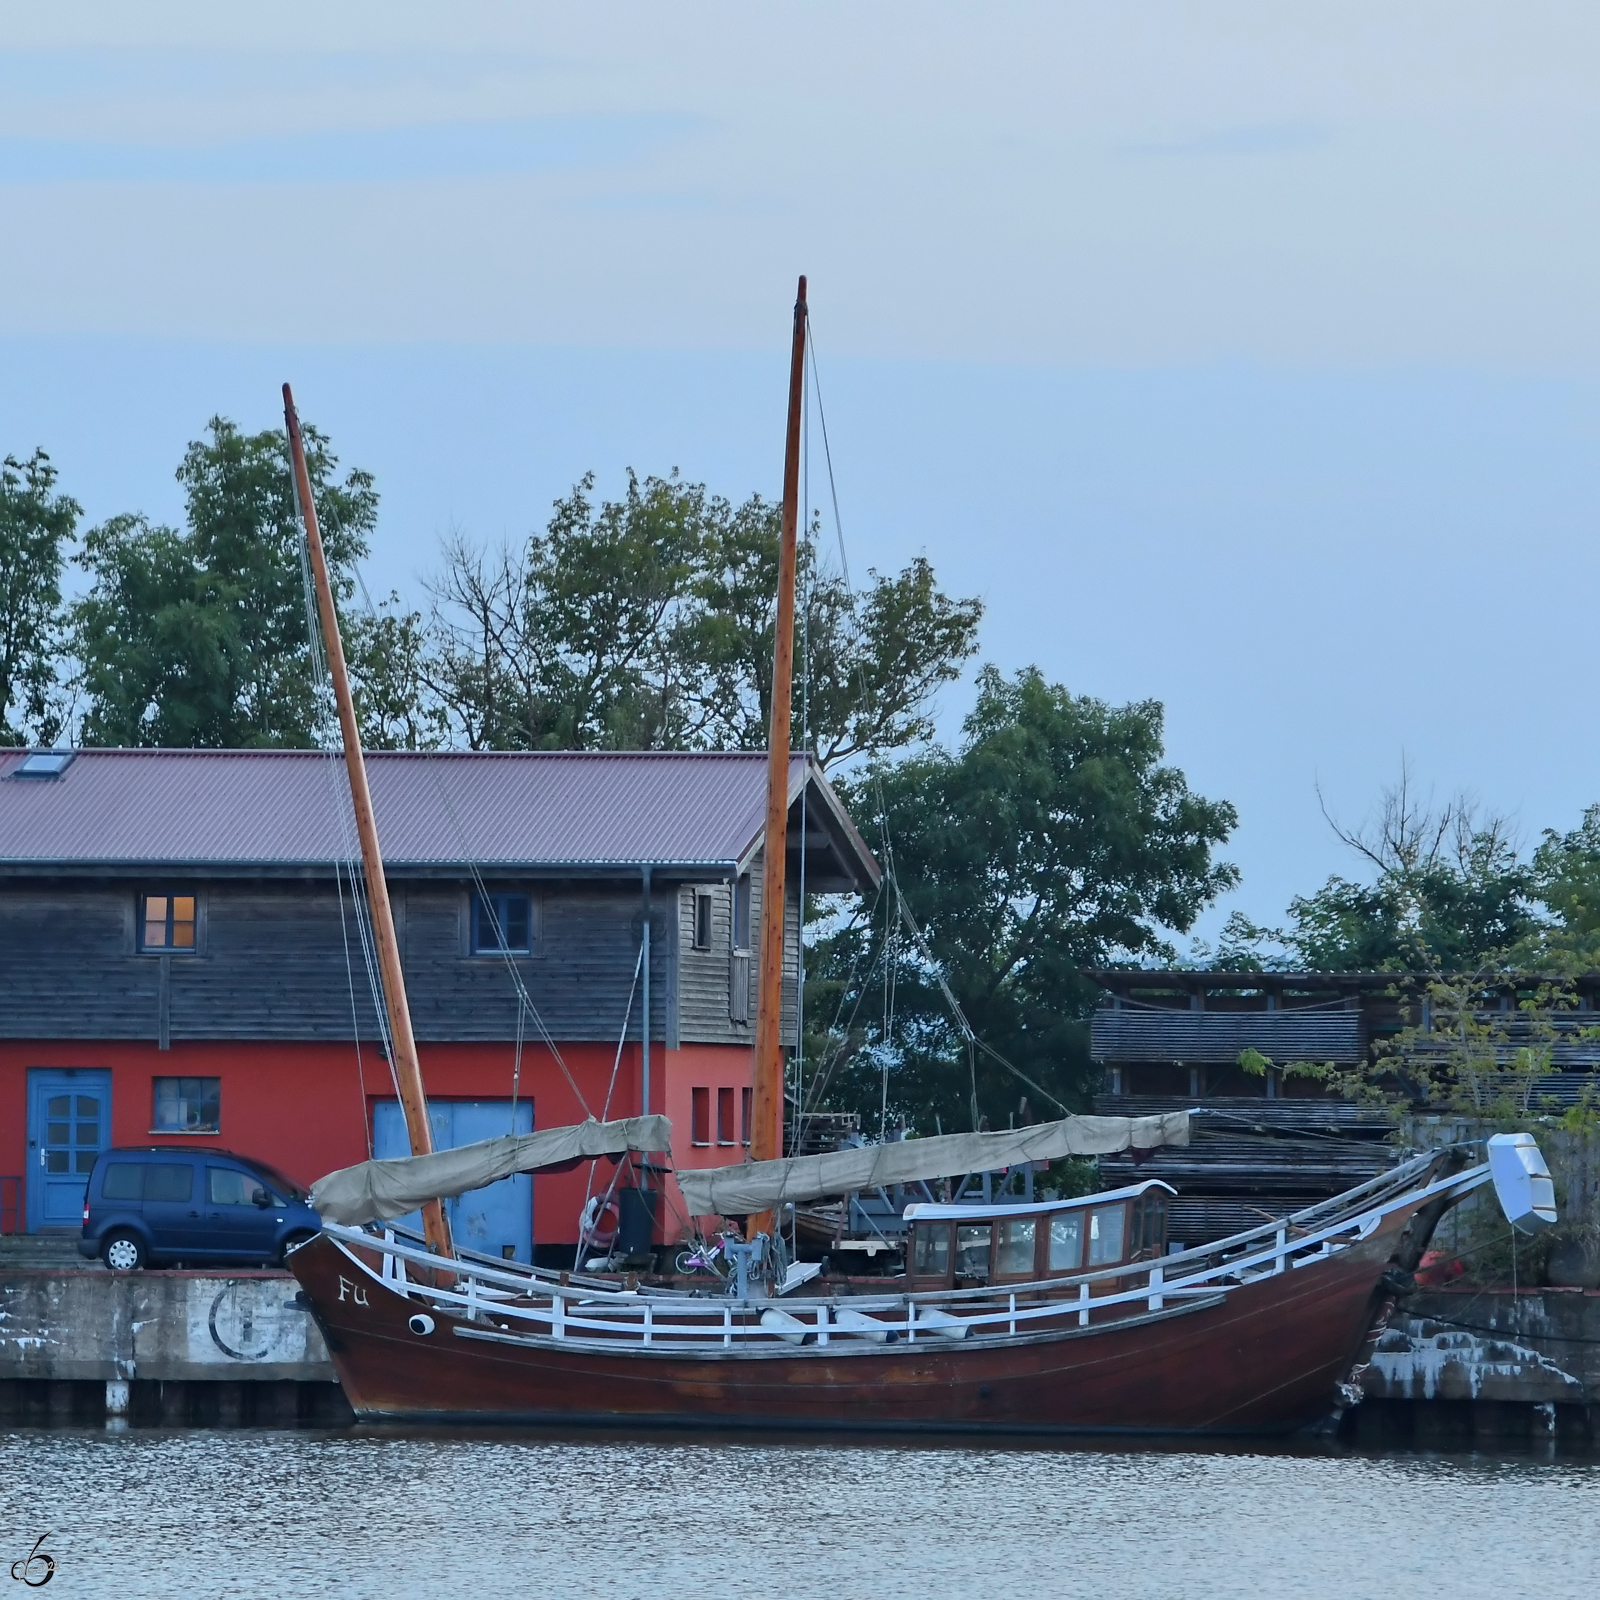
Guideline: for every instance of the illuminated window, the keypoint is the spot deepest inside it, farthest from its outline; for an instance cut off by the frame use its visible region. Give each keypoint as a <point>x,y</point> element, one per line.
<point>166,923</point>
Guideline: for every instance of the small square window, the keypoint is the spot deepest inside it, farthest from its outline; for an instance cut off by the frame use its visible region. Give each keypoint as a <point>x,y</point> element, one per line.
<point>187,1105</point>
<point>700,1116</point>
<point>167,924</point>
<point>502,924</point>
<point>702,919</point>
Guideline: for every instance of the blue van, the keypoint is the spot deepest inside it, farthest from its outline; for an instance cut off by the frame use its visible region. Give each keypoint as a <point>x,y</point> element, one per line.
<point>166,1204</point>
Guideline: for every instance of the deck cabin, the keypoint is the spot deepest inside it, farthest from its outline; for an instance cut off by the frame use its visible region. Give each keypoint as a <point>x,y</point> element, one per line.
<point>973,1246</point>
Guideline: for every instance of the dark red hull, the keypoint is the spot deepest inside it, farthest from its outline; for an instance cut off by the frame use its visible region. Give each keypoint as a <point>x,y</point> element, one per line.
<point>1265,1357</point>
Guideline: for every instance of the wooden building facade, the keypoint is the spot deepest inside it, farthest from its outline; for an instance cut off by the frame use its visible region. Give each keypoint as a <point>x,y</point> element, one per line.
<point>181,955</point>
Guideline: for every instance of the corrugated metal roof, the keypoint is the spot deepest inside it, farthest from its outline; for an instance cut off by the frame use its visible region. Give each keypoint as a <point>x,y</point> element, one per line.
<point>282,809</point>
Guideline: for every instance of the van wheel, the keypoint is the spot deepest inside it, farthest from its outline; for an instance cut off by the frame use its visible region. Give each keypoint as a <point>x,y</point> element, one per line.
<point>293,1242</point>
<point>123,1252</point>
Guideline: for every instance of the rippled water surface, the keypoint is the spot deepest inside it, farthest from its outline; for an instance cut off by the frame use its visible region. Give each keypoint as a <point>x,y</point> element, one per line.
<point>290,1514</point>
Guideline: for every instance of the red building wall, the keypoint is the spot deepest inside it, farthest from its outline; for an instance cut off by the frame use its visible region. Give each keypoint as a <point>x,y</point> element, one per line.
<point>307,1109</point>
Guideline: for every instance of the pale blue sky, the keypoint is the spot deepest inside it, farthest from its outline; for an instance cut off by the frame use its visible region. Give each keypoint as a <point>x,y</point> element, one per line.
<point>1243,356</point>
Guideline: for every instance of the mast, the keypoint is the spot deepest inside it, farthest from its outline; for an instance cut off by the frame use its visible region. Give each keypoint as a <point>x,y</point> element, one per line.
<point>766,1130</point>
<point>407,1070</point>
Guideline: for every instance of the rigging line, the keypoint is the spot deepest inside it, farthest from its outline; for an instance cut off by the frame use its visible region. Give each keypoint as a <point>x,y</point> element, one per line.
<point>505,954</point>
<point>805,778</point>
<point>355,1021</point>
<point>826,1072</point>
<point>516,1070</point>
<point>616,1065</point>
<point>883,810</point>
<point>342,818</point>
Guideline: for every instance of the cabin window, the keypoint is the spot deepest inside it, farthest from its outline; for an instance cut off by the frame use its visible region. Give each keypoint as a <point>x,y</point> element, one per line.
<point>725,1116</point>
<point>166,923</point>
<point>700,1116</point>
<point>1066,1242</point>
<point>1105,1235</point>
<point>972,1251</point>
<point>930,1251</point>
<point>741,912</point>
<point>187,1105</point>
<point>502,924</point>
<point>746,1098</point>
<point>1016,1247</point>
<point>702,919</point>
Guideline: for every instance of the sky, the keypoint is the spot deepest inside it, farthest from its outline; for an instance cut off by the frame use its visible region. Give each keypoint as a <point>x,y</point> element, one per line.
<point>1245,357</point>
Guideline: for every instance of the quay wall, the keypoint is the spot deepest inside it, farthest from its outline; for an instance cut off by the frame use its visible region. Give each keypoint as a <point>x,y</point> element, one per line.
<point>242,1327</point>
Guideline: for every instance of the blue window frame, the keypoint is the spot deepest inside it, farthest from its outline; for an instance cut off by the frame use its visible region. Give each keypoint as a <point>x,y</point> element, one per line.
<point>187,1105</point>
<point>502,924</point>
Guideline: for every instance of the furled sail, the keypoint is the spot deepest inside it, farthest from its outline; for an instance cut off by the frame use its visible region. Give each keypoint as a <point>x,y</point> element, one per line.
<point>383,1190</point>
<point>759,1185</point>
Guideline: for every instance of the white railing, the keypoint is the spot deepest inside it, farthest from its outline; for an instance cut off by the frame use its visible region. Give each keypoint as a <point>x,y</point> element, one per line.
<point>500,1303</point>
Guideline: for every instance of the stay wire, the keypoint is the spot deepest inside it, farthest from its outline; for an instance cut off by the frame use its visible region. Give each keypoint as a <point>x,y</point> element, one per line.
<point>972,1041</point>
<point>322,696</point>
<point>485,901</point>
<point>605,1111</point>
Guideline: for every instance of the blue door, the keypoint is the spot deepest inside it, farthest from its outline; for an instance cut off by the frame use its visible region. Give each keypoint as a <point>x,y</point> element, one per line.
<point>496,1221</point>
<point>69,1124</point>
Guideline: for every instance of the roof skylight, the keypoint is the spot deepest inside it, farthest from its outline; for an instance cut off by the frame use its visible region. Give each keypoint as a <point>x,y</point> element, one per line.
<point>45,764</point>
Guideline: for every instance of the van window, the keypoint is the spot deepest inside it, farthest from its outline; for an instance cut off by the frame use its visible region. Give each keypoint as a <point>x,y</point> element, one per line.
<point>1016,1246</point>
<point>931,1252</point>
<point>123,1180</point>
<point>972,1251</point>
<point>1105,1235</point>
<point>227,1186</point>
<point>1066,1242</point>
<point>168,1180</point>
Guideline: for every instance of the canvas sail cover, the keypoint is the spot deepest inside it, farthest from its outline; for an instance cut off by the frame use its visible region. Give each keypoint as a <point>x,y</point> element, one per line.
<point>759,1185</point>
<point>374,1191</point>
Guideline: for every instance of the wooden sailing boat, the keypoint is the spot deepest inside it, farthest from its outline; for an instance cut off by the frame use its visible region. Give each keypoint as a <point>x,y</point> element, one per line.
<point>1010,1318</point>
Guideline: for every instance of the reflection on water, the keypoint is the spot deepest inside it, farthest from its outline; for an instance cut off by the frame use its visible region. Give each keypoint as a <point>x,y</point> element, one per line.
<point>251,1515</point>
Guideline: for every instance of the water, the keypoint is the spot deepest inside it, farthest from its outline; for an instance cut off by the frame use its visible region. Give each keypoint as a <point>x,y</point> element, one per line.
<point>254,1515</point>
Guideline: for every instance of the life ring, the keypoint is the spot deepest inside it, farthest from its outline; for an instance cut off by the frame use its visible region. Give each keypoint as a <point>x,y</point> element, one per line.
<point>598,1226</point>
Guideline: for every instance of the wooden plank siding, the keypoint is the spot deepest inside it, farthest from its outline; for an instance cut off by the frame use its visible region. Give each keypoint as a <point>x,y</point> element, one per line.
<point>705,976</point>
<point>271,964</point>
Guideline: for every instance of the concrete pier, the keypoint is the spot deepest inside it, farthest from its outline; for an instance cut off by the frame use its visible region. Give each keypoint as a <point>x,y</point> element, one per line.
<point>1467,1368</point>
<point>162,1349</point>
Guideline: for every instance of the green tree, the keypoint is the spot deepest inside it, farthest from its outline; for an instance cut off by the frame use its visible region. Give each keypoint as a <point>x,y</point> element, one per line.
<point>647,623</point>
<point>1566,881</point>
<point>1052,839</point>
<point>199,637</point>
<point>36,527</point>
<point>1446,892</point>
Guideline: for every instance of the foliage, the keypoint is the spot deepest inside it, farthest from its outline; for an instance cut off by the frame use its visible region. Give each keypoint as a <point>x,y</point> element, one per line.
<point>1447,892</point>
<point>1053,839</point>
<point>1566,880</point>
<point>36,526</point>
<point>647,623</point>
<point>199,637</point>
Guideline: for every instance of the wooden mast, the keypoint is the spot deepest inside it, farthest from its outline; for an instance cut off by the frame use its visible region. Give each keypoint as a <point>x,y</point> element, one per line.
<point>407,1071</point>
<point>766,1122</point>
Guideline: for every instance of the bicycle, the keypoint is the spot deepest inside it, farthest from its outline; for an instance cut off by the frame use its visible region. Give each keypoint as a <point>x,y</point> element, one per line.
<point>705,1257</point>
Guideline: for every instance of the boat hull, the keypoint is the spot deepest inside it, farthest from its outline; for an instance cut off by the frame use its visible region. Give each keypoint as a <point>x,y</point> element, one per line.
<point>1263,1357</point>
